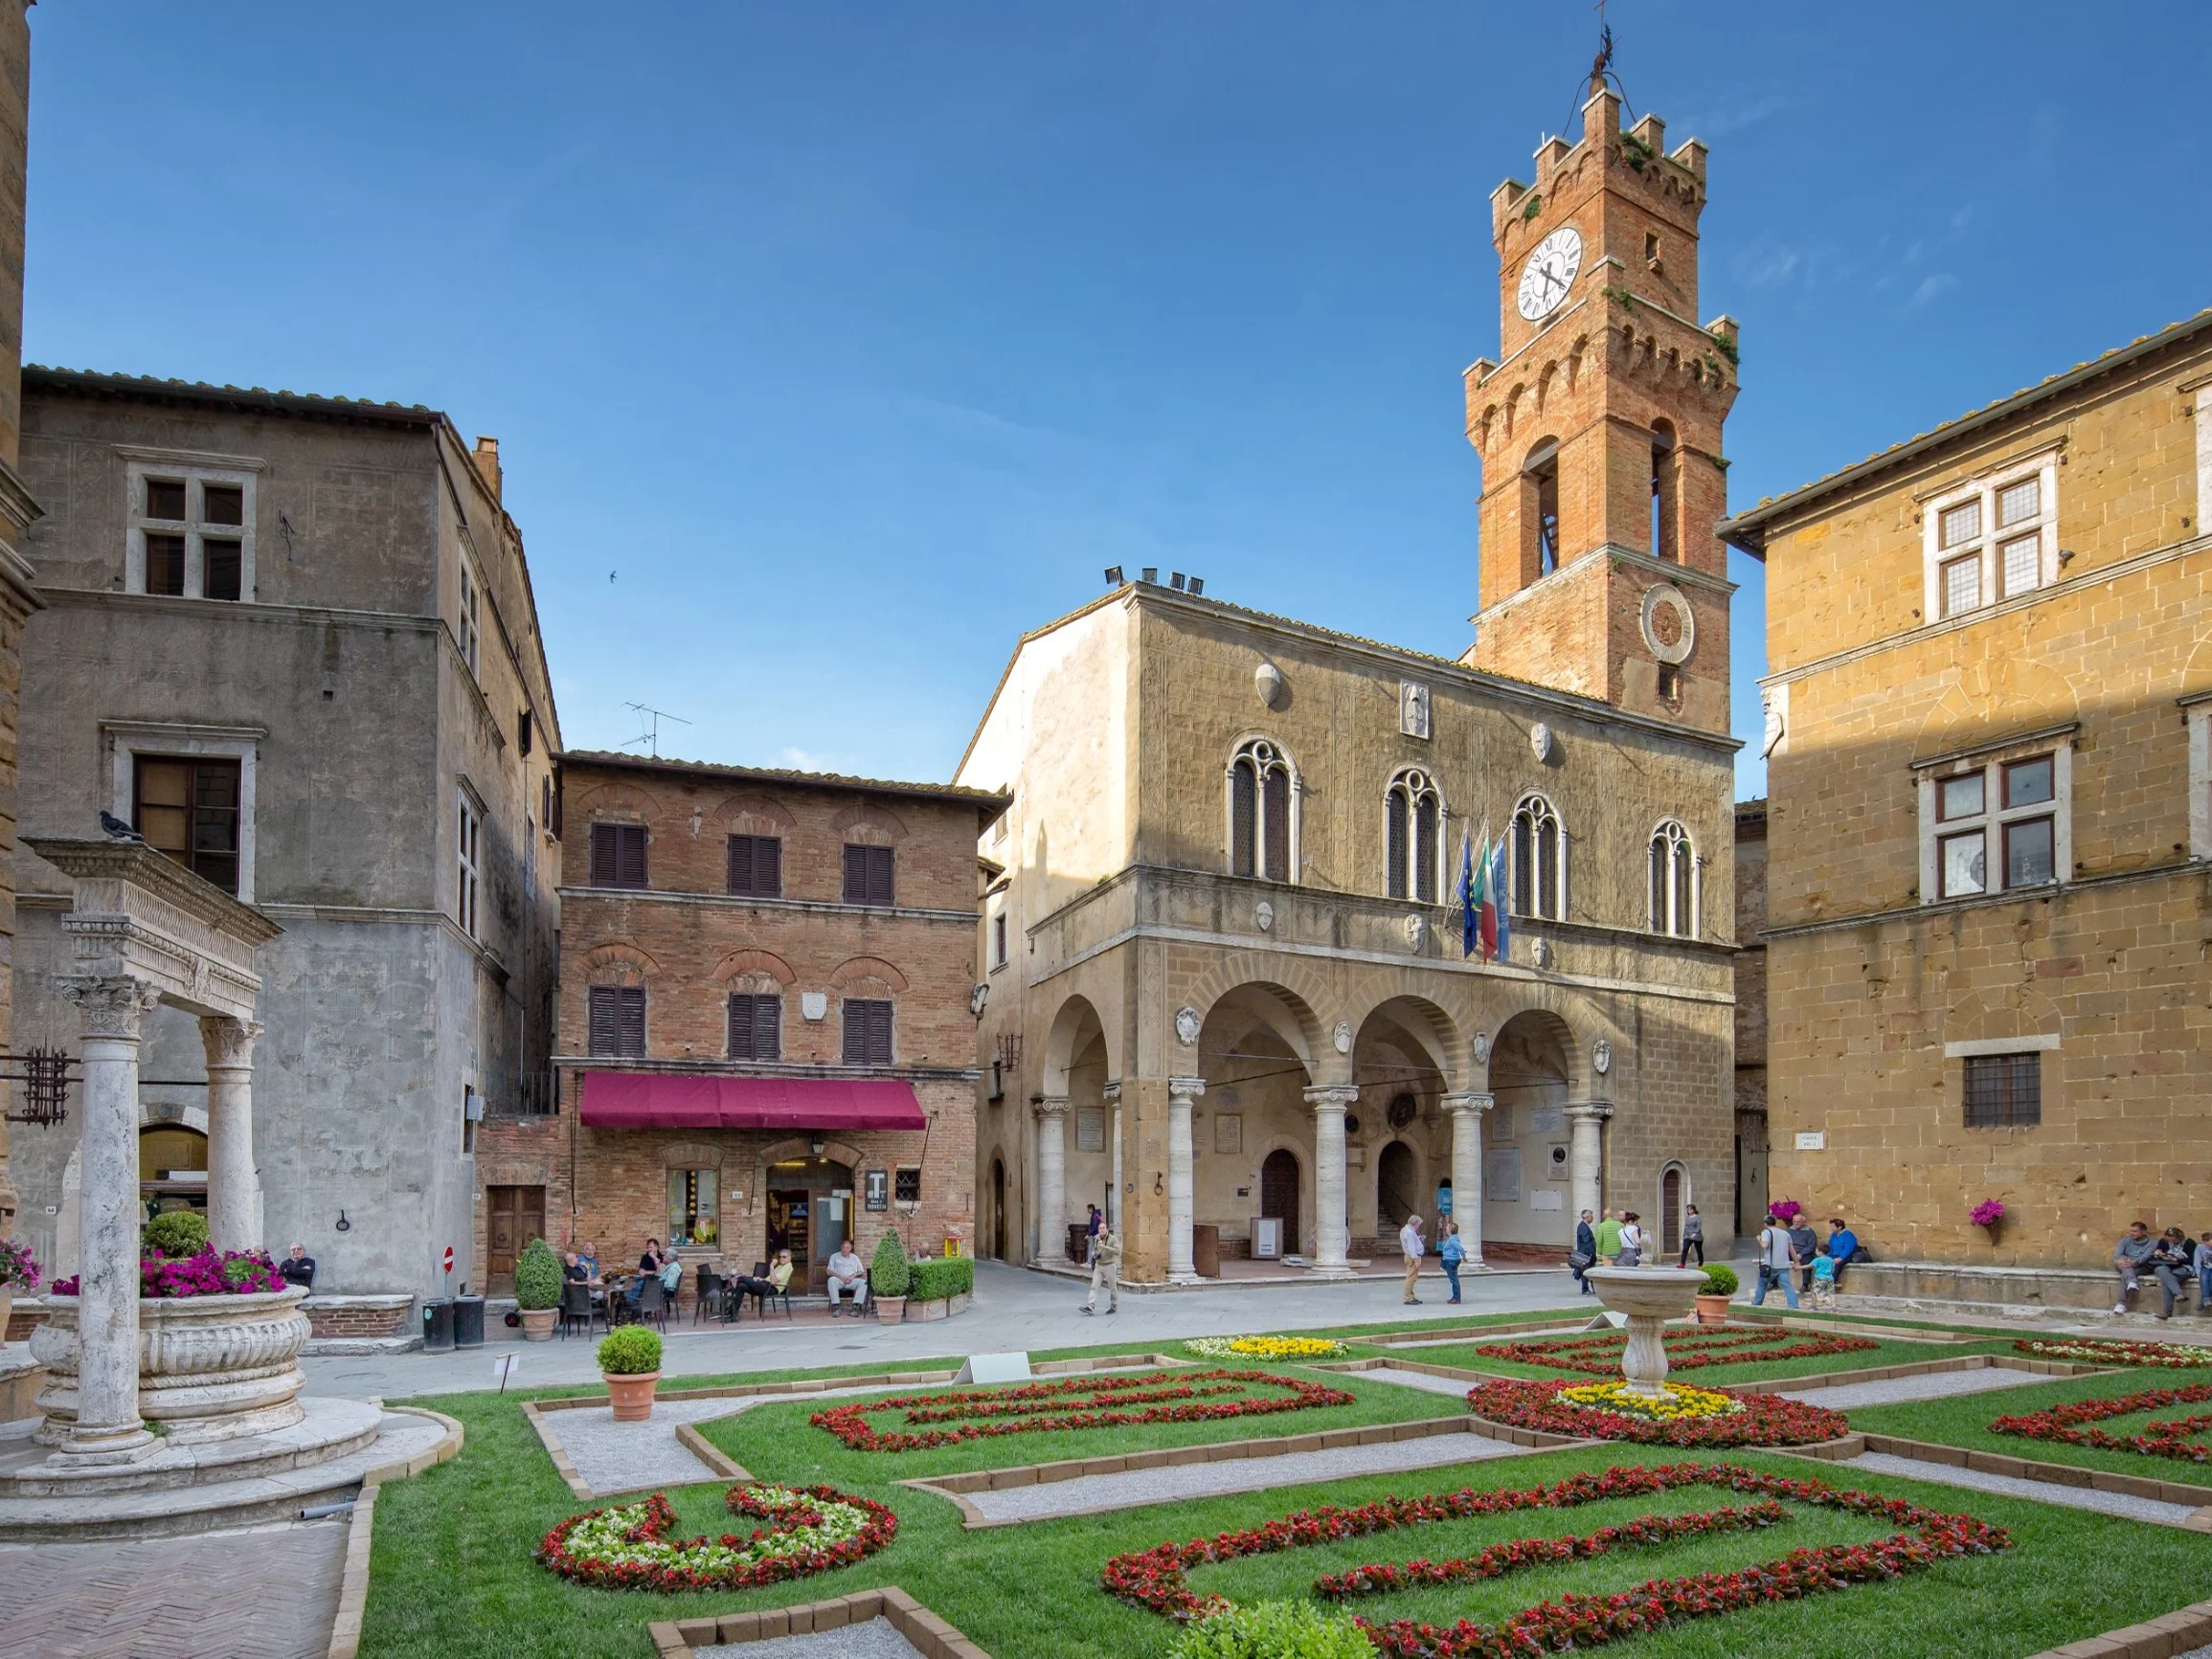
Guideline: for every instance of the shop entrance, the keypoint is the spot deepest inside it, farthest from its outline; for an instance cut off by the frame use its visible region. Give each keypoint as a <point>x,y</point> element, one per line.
<point>809,1214</point>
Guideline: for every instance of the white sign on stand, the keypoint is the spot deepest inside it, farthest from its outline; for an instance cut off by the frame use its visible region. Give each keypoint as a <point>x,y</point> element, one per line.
<point>995,1368</point>
<point>505,1367</point>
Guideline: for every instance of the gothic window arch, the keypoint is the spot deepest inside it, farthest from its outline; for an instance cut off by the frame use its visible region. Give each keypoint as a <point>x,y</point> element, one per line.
<point>1540,510</point>
<point>1539,854</point>
<point>1414,819</point>
<point>1673,881</point>
<point>1263,830</point>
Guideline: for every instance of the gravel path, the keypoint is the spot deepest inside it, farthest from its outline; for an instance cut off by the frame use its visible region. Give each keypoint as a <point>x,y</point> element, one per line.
<point>2041,1492</point>
<point>874,1640</point>
<point>1932,1385</point>
<point>620,1457</point>
<point>1195,1480</point>
<point>1455,1386</point>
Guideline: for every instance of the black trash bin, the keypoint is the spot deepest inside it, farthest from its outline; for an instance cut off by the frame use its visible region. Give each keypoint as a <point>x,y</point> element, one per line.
<point>438,1326</point>
<point>468,1322</point>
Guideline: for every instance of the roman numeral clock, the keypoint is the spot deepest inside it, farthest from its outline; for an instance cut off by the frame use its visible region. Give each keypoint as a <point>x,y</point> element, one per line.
<point>1549,273</point>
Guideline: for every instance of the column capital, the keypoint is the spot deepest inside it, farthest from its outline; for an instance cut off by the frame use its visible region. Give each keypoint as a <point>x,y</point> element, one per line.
<point>1185,1087</point>
<point>1595,1109</point>
<point>110,1005</point>
<point>1113,1092</point>
<point>229,1042</point>
<point>1342,1096</point>
<point>1468,1100</point>
<point>1049,1105</point>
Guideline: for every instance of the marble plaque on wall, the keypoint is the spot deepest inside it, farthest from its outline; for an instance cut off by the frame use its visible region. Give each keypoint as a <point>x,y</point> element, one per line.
<point>1228,1131</point>
<point>1090,1128</point>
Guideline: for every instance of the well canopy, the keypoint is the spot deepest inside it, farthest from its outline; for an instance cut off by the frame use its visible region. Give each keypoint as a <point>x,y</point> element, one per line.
<point>652,1100</point>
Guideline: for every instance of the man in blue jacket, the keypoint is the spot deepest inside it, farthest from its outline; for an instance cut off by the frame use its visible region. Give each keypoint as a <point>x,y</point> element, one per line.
<point>1842,1245</point>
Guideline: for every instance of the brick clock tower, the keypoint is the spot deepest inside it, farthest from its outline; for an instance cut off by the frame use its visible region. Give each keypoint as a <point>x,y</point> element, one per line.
<point>1600,431</point>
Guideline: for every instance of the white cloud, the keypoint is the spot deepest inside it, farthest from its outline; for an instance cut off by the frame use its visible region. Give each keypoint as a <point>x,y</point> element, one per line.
<point>1933,285</point>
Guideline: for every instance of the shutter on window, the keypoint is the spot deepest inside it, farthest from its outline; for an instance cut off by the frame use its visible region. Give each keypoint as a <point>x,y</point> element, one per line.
<point>868,875</point>
<point>740,1027</point>
<point>741,878</point>
<point>630,1033</point>
<point>867,1032</point>
<point>855,875</point>
<point>632,873</point>
<point>855,1032</point>
<point>1241,814</point>
<point>768,1027</point>
<point>768,866</point>
<point>1277,818</point>
<point>1397,846</point>
<point>879,874</point>
<point>605,859</point>
<point>879,1035</point>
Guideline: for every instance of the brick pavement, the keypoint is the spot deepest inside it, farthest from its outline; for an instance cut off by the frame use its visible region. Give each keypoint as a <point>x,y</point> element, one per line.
<point>175,1598</point>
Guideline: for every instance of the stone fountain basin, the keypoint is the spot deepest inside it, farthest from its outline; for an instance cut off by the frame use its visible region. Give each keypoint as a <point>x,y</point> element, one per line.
<point>1649,1293</point>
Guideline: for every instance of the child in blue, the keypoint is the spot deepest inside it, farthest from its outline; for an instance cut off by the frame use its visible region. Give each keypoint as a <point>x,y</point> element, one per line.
<point>1824,1282</point>
<point>1454,1252</point>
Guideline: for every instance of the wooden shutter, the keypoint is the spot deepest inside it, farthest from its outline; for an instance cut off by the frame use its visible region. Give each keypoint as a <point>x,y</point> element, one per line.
<point>741,878</point>
<point>868,875</point>
<point>601,1036</point>
<point>630,1025</point>
<point>867,1032</point>
<point>632,870</point>
<point>1397,850</point>
<point>755,1026</point>
<point>855,875</point>
<point>1243,811</point>
<point>606,856</point>
<point>1277,818</point>
<point>881,864</point>
<point>756,865</point>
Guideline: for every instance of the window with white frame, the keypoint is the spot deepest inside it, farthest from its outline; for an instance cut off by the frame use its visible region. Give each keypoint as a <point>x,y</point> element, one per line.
<point>1539,855</point>
<point>468,632</point>
<point>1674,881</point>
<point>191,529</point>
<point>1262,813</point>
<point>470,866</point>
<point>1414,831</point>
<point>1993,538</point>
<point>1997,824</point>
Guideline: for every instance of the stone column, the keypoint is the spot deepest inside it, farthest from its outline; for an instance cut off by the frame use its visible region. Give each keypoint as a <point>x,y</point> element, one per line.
<point>107,1427</point>
<point>1181,1092</point>
<point>1465,1111</point>
<point>1328,1104</point>
<point>1586,1158</point>
<point>1051,1113</point>
<point>1114,1192</point>
<point>234,1217</point>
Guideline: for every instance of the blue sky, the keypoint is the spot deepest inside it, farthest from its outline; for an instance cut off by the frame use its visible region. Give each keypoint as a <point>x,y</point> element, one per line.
<point>853,341</point>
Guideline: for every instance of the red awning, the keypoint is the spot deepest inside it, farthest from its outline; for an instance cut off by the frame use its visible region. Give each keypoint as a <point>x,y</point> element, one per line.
<point>648,1100</point>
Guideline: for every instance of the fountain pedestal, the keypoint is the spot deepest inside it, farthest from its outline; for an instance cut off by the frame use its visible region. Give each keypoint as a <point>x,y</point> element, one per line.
<point>1650,1296</point>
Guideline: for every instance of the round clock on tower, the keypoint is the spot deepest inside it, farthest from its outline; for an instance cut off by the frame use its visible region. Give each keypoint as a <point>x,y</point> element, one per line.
<point>1548,273</point>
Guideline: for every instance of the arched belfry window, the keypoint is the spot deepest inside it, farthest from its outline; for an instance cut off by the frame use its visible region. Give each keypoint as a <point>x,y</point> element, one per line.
<point>1538,873</point>
<point>1415,830</point>
<point>1540,506</point>
<point>1262,812</point>
<point>1665,491</point>
<point>1674,881</point>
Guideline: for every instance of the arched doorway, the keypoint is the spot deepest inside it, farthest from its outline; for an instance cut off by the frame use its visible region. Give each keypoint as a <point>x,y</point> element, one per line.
<point>1278,1196</point>
<point>1527,1164</point>
<point>809,1214</point>
<point>997,1209</point>
<point>1397,1186</point>
<point>1674,1193</point>
<point>172,1169</point>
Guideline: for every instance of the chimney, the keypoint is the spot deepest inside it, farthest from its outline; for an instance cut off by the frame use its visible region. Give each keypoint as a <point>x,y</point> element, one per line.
<point>486,458</point>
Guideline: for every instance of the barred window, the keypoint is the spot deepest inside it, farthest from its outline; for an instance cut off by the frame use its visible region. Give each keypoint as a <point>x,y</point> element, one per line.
<point>2004,1091</point>
<point>905,1186</point>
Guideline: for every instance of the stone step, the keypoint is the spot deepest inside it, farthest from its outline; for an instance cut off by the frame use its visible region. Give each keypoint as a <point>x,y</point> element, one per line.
<point>331,1428</point>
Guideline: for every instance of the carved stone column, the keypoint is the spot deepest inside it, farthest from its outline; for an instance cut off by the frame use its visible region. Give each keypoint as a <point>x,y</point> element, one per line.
<point>234,1216</point>
<point>1051,1113</point>
<point>1182,1091</point>
<point>1465,1111</point>
<point>107,1430</point>
<point>1585,1156</point>
<point>1331,1231</point>
<point>1114,1192</point>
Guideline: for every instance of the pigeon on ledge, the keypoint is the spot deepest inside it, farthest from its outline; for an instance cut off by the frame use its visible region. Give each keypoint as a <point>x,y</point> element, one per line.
<point>117,830</point>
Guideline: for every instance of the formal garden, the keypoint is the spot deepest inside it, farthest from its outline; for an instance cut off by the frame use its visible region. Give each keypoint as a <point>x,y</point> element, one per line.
<point>1494,1487</point>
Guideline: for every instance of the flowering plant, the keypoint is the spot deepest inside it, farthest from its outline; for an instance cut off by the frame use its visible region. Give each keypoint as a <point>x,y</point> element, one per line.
<point>17,1267</point>
<point>2176,1439</point>
<point>233,1274</point>
<point>1788,1210</point>
<point>2113,1351</point>
<point>1075,1402</point>
<point>1762,1420</point>
<point>1678,1405</point>
<point>1686,1350</point>
<point>627,1547</point>
<point>1154,1578</point>
<point>1987,1214</point>
<point>1266,1347</point>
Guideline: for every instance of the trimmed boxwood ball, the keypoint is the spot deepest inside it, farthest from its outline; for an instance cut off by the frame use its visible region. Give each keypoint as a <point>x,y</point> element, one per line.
<point>633,1351</point>
<point>1273,1630</point>
<point>888,1274</point>
<point>537,1276</point>
<point>1720,1280</point>
<point>936,1281</point>
<point>174,1234</point>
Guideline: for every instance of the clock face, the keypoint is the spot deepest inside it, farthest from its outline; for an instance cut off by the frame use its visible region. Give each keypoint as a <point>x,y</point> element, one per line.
<point>1549,273</point>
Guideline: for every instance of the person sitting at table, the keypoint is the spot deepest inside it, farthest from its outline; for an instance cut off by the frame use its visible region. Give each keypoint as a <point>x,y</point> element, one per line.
<point>589,1256</point>
<point>847,1274</point>
<point>648,1264</point>
<point>671,1274</point>
<point>775,1284</point>
<point>574,1270</point>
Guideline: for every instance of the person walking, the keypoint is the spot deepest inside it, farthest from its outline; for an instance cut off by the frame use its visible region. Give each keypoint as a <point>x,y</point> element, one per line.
<point>1824,1282</point>
<point>1630,1240</point>
<point>1091,1236</point>
<point>1584,1255</point>
<point>1608,1238</point>
<point>1452,1253</point>
<point>1776,1256</point>
<point>1693,1237</point>
<point>1105,1269</point>
<point>1409,1242</point>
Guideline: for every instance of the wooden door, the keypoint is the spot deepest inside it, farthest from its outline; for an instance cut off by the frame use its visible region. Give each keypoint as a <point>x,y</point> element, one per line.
<point>997,1209</point>
<point>1671,1213</point>
<point>516,1216</point>
<point>1279,1197</point>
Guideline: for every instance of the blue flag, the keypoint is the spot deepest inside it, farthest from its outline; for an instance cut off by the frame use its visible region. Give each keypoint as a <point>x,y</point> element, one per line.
<point>1498,888</point>
<point>1467,903</point>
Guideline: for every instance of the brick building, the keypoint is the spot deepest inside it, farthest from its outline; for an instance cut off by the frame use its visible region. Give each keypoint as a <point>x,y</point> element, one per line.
<point>1990,803</point>
<point>1228,991</point>
<point>1752,1130</point>
<point>766,1036</point>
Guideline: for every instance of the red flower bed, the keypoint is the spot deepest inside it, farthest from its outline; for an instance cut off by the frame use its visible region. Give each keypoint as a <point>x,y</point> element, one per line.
<point>2174,1438</point>
<point>1686,1350</point>
<point>1154,1578</point>
<point>1766,1420</point>
<point>733,1561</point>
<point>1074,1403</point>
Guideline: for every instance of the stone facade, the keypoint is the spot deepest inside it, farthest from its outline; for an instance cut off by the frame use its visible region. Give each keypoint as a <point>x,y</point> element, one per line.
<point>690,944</point>
<point>381,669</point>
<point>1751,1127</point>
<point>1991,810</point>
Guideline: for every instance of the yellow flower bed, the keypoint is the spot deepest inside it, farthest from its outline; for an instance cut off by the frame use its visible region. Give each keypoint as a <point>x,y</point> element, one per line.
<point>1266,1347</point>
<point>1681,1402</point>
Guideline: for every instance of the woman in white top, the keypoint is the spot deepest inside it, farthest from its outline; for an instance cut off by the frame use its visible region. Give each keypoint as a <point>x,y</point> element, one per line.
<point>1630,1240</point>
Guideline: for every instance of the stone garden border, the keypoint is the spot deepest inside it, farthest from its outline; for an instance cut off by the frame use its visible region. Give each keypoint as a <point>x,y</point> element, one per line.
<point>2177,1632</point>
<point>353,1585</point>
<point>931,1635</point>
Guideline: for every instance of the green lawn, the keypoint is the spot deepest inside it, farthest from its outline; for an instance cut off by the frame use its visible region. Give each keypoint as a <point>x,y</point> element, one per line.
<point>1883,1353</point>
<point>1964,1421</point>
<point>452,1576</point>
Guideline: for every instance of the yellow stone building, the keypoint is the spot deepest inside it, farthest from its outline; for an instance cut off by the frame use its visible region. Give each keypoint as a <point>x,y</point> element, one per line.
<point>1226,995</point>
<point>1989,821</point>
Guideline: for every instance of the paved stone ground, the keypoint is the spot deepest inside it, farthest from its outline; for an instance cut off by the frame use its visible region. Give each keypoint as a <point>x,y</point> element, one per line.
<point>1933,1385</point>
<point>1455,1386</point>
<point>2073,1497</point>
<point>621,1457</point>
<point>874,1640</point>
<point>175,1598</point>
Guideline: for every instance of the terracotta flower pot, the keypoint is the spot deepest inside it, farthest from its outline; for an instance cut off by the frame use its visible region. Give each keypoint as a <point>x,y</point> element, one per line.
<point>538,1323</point>
<point>889,1309</point>
<point>632,1395</point>
<point>1712,1310</point>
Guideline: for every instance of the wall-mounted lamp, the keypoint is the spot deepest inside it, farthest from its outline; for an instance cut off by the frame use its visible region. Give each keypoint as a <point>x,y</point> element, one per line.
<point>344,1225</point>
<point>816,1146</point>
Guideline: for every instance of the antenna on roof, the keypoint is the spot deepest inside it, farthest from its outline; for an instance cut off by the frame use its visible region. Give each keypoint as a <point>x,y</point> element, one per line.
<point>651,719</point>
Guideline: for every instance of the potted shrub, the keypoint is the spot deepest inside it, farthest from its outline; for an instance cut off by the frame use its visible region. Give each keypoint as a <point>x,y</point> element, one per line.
<point>537,1290</point>
<point>888,1278</point>
<point>17,1267</point>
<point>630,1362</point>
<point>1721,1283</point>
